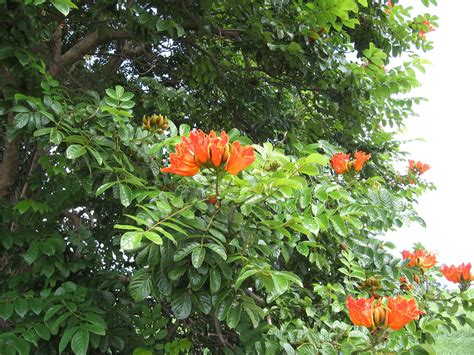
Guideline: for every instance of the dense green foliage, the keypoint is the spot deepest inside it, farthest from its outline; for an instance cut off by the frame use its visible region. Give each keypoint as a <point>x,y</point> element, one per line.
<point>100,252</point>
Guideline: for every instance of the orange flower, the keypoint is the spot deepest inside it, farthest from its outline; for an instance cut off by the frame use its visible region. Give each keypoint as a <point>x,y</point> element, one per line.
<point>339,162</point>
<point>420,258</point>
<point>401,312</point>
<point>202,150</point>
<point>360,159</point>
<point>183,162</point>
<point>360,311</point>
<point>219,148</point>
<point>417,167</point>
<point>240,158</point>
<point>367,312</point>
<point>200,141</point>
<point>458,274</point>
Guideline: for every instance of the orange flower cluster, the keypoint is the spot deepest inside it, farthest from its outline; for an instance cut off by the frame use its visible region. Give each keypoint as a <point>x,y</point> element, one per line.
<point>427,23</point>
<point>201,150</point>
<point>458,274</point>
<point>341,164</point>
<point>372,314</point>
<point>419,258</point>
<point>418,167</point>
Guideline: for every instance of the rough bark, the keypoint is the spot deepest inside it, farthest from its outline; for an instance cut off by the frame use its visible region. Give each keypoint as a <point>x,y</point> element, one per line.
<point>84,46</point>
<point>10,162</point>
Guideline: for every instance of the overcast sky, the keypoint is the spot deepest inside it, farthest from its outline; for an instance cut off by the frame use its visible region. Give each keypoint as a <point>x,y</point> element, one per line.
<point>446,122</point>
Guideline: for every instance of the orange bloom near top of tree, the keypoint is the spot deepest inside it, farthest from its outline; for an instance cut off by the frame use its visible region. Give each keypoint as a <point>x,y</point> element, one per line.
<point>360,311</point>
<point>360,159</point>
<point>420,258</point>
<point>339,162</point>
<point>219,148</point>
<point>458,274</point>
<point>183,162</point>
<point>240,158</point>
<point>417,167</point>
<point>401,312</point>
<point>200,142</point>
<point>202,150</point>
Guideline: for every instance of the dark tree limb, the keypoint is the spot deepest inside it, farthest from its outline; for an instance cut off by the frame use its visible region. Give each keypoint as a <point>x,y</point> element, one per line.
<point>10,162</point>
<point>56,43</point>
<point>220,336</point>
<point>259,300</point>
<point>172,328</point>
<point>85,45</point>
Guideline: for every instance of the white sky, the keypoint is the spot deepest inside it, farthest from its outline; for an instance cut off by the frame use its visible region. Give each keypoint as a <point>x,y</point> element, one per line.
<point>446,122</point>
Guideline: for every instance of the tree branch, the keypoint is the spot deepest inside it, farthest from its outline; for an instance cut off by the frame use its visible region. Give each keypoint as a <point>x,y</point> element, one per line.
<point>10,162</point>
<point>259,300</point>
<point>81,48</point>
<point>57,43</point>
<point>223,341</point>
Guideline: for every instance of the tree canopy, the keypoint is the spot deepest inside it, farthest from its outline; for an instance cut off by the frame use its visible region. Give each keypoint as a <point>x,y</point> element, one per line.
<point>103,252</point>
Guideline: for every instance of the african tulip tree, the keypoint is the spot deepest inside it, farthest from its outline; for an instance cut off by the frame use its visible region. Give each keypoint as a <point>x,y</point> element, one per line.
<point>176,176</point>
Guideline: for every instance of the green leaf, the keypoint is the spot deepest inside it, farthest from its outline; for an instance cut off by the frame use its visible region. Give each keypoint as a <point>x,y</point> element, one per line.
<point>179,30</point>
<point>198,256</point>
<point>233,317</point>
<point>245,275</point>
<point>163,284</point>
<point>75,151</point>
<point>181,304</point>
<point>215,280</point>
<point>310,170</point>
<point>339,225</point>
<point>119,91</point>
<point>22,347</point>
<point>42,331</point>
<point>185,251</point>
<point>142,351</point>
<point>22,56</point>
<point>21,120</point>
<point>127,227</point>
<point>36,305</point>
<point>63,6</point>
<point>294,47</point>
<point>153,237</point>
<point>280,283</point>
<point>140,285</point>
<point>96,154</point>
<point>52,311</point>
<point>125,195</point>
<point>21,307</point>
<point>6,310</point>
<point>32,253</point>
<point>104,187</point>
<point>217,249</point>
<point>316,158</point>
<point>94,328</point>
<point>130,240</point>
<point>80,342</point>
<point>42,131</point>
<point>162,25</point>
<point>66,337</point>
<point>23,206</point>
